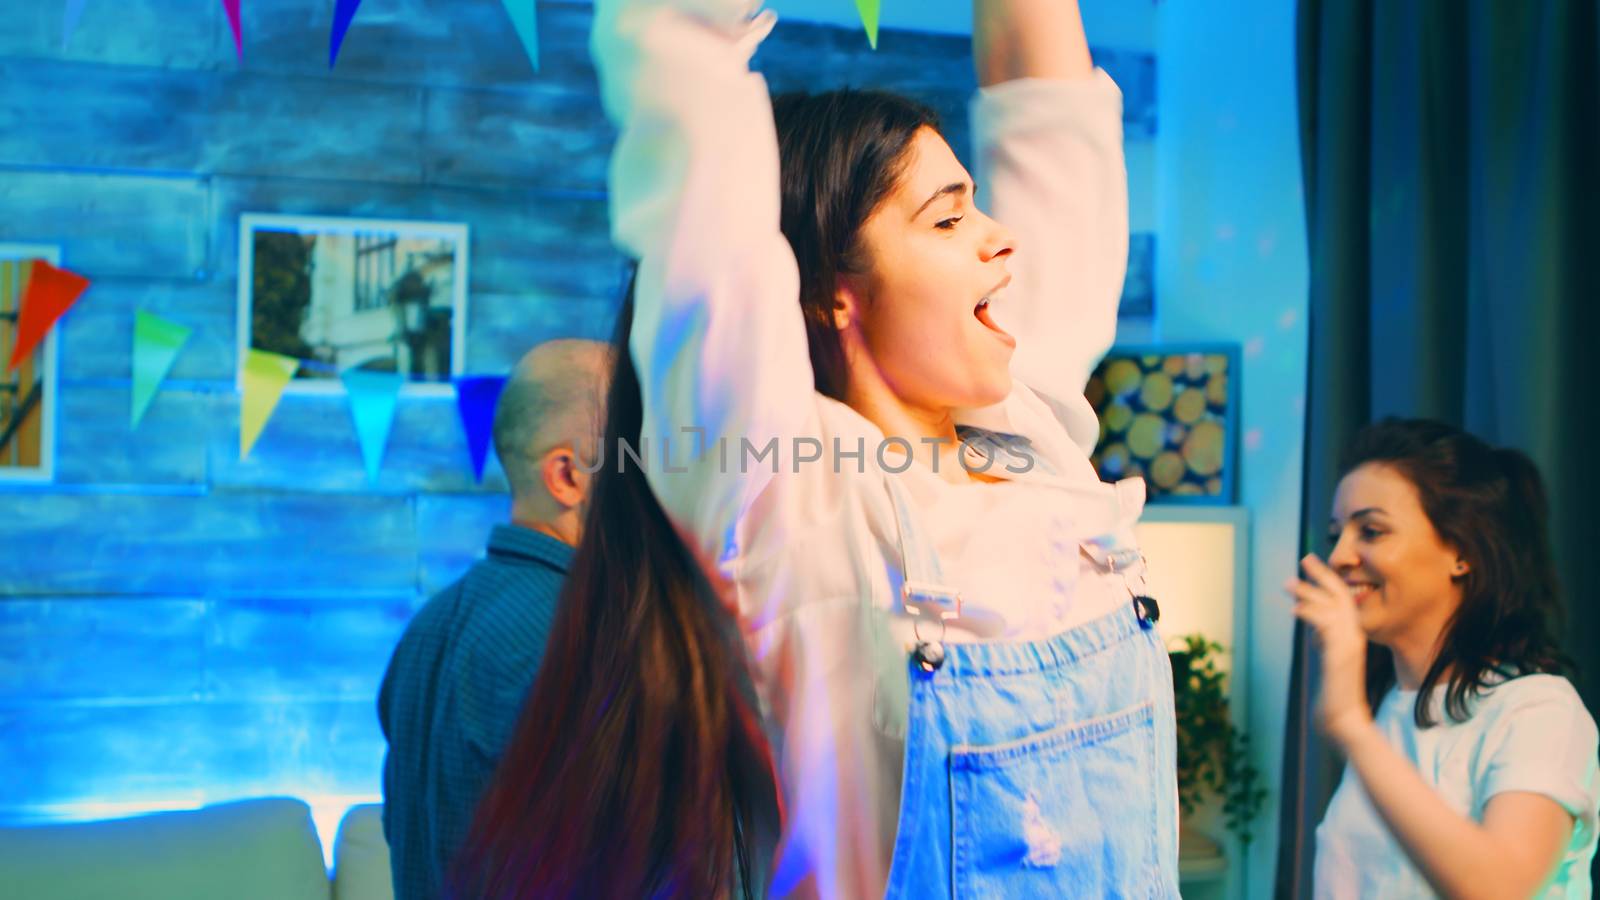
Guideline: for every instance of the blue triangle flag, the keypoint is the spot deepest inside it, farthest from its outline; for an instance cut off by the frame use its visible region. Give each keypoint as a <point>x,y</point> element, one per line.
<point>343,12</point>
<point>525,19</point>
<point>372,402</point>
<point>69,20</point>
<point>476,396</point>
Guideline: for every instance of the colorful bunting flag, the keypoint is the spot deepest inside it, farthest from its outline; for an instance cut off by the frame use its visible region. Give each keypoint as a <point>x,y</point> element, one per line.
<point>232,6</point>
<point>50,293</point>
<point>868,10</point>
<point>69,20</point>
<point>343,12</point>
<point>525,19</point>
<point>372,402</point>
<point>265,376</point>
<point>156,343</point>
<point>476,396</point>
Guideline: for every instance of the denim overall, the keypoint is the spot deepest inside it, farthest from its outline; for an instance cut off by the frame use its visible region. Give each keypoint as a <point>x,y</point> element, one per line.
<point>1041,768</point>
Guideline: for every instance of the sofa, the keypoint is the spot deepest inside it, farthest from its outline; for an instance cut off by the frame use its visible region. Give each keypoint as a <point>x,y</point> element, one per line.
<point>259,849</point>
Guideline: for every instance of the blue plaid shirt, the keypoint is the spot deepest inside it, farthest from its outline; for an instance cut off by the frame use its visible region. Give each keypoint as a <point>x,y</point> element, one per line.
<point>451,698</point>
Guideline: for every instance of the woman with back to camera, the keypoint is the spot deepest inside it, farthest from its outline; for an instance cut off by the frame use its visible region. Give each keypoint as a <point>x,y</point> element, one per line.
<point>905,655</point>
<point>1477,775</point>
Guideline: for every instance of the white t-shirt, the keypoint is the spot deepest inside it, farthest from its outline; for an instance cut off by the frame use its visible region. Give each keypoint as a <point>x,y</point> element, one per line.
<point>1528,734</point>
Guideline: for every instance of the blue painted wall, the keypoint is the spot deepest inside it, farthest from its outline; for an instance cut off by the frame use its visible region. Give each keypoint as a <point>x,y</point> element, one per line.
<point>1234,268</point>
<point>179,626</point>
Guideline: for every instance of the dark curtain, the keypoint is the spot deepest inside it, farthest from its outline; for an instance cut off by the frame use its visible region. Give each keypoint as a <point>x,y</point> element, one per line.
<point>1451,155</point>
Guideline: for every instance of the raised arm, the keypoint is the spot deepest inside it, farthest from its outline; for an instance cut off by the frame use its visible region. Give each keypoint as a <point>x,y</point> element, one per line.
<point>1014,39</point>
<point>717,335</point>
<point>1048,132</point>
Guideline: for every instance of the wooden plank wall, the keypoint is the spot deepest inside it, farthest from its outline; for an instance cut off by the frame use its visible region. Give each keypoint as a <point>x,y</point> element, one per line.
<point>180,626</point>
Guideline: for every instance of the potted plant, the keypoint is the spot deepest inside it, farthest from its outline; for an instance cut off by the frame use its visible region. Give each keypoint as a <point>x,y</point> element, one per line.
<point>1213,756</point>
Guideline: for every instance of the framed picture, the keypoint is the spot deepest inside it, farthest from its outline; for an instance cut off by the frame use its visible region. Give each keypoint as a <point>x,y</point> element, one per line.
<point>28,393</point>
<point>1170,415</point>
<point>339,294</point>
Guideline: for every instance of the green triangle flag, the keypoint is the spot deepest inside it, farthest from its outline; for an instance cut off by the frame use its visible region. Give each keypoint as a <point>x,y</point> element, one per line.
<point>869,19</point>
<point>525,19</point>
<point>156,343</point>
<point>265,376</point>
<point>372,400</point>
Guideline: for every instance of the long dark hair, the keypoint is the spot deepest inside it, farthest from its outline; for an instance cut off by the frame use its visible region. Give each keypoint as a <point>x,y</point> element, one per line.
<point>639,766</point>
<point>1488,504</point>
<point>841,153</point>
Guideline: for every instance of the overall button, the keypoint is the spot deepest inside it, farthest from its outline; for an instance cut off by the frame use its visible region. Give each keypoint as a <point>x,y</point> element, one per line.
<point>1147,609</point>
<point>929,655</point>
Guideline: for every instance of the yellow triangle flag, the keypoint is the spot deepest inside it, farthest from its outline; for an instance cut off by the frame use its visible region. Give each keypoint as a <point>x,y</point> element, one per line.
<point>868,9</point>
<point>265,376</point>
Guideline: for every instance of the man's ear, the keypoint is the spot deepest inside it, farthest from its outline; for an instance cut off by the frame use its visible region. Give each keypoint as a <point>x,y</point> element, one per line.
<point>559,469</point>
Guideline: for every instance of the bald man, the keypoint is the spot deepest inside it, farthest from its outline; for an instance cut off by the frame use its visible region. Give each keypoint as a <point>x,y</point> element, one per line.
<point>457,679</point>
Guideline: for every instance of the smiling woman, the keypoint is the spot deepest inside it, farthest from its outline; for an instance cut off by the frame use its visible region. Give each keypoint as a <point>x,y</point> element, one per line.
<point>1477,774</point>
<point>936,261</point>
<point>817,680</point>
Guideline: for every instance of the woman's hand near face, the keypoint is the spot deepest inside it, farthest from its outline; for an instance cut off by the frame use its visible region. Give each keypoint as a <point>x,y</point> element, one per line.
<point>1326,603</point>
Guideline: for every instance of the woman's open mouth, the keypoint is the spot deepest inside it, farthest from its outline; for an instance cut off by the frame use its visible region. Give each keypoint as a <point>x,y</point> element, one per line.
<point>981,311</point>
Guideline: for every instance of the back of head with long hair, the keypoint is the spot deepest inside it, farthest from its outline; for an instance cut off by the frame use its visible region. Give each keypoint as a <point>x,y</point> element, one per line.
<point>1488,504</point>
<point>638,766</point>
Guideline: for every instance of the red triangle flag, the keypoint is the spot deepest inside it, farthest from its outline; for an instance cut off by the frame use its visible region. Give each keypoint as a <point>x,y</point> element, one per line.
<point>50,293</point>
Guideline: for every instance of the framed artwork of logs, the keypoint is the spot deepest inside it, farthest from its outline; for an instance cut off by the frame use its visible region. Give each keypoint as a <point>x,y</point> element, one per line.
<point>1170,415</point>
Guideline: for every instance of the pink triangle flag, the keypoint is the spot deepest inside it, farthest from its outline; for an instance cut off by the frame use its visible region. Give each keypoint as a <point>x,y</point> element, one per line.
<point>232,6</point>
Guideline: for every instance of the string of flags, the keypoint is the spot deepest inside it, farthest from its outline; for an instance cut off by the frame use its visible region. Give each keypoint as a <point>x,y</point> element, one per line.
<point>157,342</point>
<point>521,12</point>
<point>374,396</point>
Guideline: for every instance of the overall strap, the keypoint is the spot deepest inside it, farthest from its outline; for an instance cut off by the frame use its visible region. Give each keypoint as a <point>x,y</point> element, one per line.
<point>1129,562</point>
<point>923,594</point>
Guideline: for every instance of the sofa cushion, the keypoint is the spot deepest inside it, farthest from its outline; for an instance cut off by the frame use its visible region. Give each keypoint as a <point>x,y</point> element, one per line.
<point>361,856</point>
<point>263,849</point>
